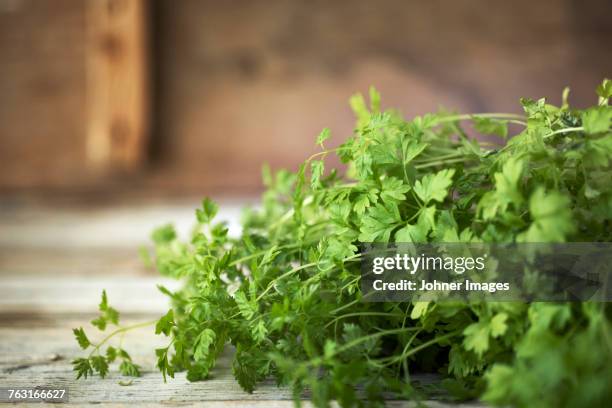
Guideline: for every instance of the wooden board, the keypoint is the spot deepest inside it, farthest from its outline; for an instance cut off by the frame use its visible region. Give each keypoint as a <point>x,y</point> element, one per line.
<point>42,97</point>
<point>73,226</point>
<point>117,83</point>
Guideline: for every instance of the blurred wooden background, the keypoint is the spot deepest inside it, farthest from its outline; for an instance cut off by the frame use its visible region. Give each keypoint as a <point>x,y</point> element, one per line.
<point>195,95</point>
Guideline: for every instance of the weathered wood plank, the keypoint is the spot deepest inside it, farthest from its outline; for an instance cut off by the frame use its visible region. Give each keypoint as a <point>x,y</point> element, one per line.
<point>65,294</point>
<point>48,340</point>
<point>42,102</point>
<point>117,83</point>
<point>124,225</point>
<point>35,261</point>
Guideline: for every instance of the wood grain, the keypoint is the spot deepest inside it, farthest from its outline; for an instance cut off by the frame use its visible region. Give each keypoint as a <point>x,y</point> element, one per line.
<point>72,226</point>
<point>117,83</point>
<point>64,294</point>
<point>42,97</point>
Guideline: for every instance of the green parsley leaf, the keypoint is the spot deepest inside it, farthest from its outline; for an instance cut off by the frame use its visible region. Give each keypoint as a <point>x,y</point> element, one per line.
<point>490,126</point>
<point>393,189</point>
<point>477,337</point>
<point>83,368</point>
<point>604,90</point>
<point>552,218</point>
<point>129,369</point>
<point>207,212</point>
<point>81,338</point>
<point>165,323</point>
<point>164,234</point>
<point>100,365</point>
<point>203,343</point>
<point>434,186</point>
<point>316,169</point>
<point>498,324</point>
<point>597,120</point>
<point>379,222</point>
<point>323,136</point>
<point>111,354</point>
<point>163,363</point>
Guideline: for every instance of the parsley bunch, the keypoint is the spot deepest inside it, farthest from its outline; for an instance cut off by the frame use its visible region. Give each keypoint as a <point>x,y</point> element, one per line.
<point>286,293</point>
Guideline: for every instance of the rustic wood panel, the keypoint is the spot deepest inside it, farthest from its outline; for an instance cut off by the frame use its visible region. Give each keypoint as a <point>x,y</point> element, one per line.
<point>73,91</point>
<point>42,97</point>
<point>117,83</point>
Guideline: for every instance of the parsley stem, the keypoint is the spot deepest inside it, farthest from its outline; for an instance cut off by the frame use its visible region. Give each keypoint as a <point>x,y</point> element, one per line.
<point>259,253</point>
<point>284,275</point>
<point>350,283</point>
<point>294,270</point>
<point>120,330</point>
<point>362,339</point>
<point>556,132</point>
<point>355,314</point>
<point>565,130</point>
<point>441,157</point>
<point>408,344</point>
<point>351,303</point>
<point>287,216</point>
<point>372,336</point>
<point>471,116</point>
<point>325,152</point>
<point>286,246</point>
<point>441,162</point>
<point>395,359</point>
<point>517,122</point>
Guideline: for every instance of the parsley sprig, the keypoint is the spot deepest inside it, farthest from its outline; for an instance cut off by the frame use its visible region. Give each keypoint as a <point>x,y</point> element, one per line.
<point>99,359</point>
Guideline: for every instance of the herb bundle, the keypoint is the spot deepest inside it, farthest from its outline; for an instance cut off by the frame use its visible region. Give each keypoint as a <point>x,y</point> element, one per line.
<point>286,293</point>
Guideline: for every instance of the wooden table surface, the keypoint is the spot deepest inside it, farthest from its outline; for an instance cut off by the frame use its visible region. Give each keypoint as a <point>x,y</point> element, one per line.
<point>54,264</point>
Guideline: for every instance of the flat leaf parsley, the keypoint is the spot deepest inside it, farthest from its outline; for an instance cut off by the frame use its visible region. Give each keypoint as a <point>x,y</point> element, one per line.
<point>286,294</point>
